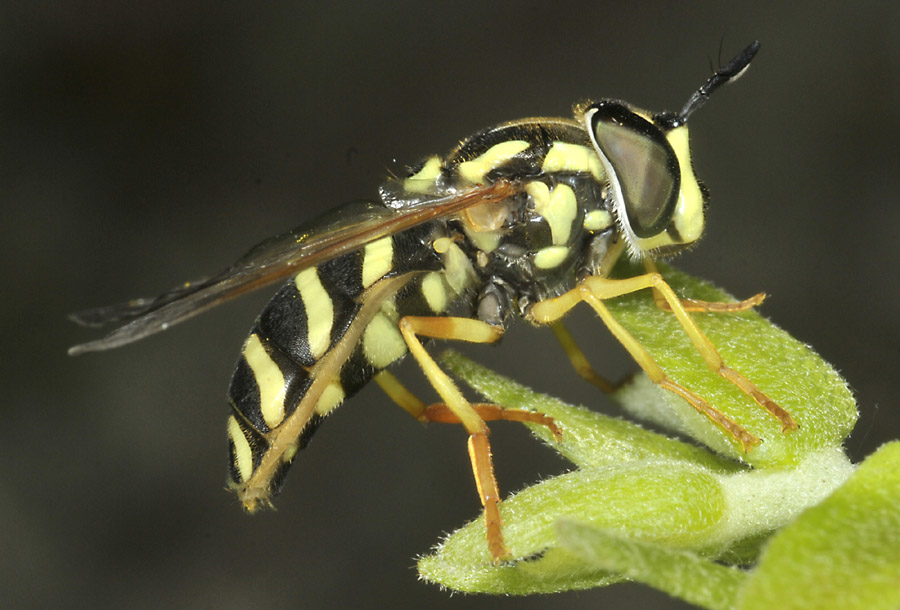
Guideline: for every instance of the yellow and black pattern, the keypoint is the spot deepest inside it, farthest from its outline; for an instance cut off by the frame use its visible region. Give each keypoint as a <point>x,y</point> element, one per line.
<point>310,314</point>
<point>535,247</point>
<point>525,219</point>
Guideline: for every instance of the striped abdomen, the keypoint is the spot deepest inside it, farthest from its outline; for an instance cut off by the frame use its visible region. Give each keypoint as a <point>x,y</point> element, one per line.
<point>323,336</point>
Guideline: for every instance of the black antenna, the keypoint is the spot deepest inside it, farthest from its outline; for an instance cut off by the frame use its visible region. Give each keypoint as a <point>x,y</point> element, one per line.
<point>728,73</point>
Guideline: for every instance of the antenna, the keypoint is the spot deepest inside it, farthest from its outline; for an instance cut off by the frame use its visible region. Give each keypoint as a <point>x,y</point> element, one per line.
<point>728,73</point>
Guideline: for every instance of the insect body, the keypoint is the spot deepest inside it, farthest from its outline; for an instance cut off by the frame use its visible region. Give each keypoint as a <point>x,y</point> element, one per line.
<point>525,219</point>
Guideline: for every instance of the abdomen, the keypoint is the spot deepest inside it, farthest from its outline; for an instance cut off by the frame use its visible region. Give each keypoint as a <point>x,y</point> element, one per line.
<point>307,319</point>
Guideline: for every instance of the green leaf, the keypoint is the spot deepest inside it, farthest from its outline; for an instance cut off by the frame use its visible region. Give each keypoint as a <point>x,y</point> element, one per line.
<point>589,438</point>
<point>675,504</point>
<point>669,501</point>
<point>682,574</point>
<point>785,369</point>
<point>632,481</point>
<point>843,554</point>
<point>657,493</point>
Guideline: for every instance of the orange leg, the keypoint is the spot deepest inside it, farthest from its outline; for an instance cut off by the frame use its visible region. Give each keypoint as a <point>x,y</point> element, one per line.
<point>579,360</point>
<point>461,329</point>
<point>441,414</point>
<point>478,444</point>
<point>594,290</point>
<point>606,288</point>
<point>696,306</point>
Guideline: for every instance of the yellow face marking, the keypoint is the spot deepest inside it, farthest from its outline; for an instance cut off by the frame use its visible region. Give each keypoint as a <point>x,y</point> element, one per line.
<point>475,170</point>
<point>382,342</point>
<point>597,220</point>
<point>319,311</point>
<point>331,397</point>
<point>378,259</point>
<point>243,456</point>
<point>566,157</point>
<point>435,291</point>
<point>423,180</point>
<point>550,257</point>
<point>269,379</point>
<point>688,217</point>
<point>558,208</point>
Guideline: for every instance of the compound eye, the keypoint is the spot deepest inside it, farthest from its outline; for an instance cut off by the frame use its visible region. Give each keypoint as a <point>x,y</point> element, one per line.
<point>643,169</point>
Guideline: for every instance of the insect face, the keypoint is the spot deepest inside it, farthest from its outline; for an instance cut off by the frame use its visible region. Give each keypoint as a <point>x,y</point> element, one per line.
<point>657,201</point>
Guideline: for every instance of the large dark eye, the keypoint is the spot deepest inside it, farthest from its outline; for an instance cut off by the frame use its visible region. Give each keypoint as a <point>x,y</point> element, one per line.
<point>640,160</point>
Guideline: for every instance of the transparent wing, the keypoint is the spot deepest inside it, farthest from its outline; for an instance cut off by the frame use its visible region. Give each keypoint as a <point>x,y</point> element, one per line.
<point>343,230</point>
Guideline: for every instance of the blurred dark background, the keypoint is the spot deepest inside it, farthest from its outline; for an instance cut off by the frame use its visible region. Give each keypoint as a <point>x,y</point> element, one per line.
<point>144,144</point>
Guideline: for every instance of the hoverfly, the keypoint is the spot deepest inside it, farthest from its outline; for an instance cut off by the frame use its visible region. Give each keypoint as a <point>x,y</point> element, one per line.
<point>526,218</point>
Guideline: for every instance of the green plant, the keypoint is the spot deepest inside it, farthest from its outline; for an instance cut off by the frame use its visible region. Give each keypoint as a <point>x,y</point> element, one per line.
<point>792,521</point>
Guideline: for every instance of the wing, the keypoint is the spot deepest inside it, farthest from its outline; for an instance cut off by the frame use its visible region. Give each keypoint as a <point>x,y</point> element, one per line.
<point>277,258</point>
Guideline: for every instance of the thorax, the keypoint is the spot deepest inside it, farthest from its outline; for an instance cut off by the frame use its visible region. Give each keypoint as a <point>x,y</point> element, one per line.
<point>537,243</point>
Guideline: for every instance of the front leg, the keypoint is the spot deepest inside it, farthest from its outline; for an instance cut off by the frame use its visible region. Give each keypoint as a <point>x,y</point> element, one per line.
<point>696,306</point>
<point>551,310</point>
<point>597,289</point>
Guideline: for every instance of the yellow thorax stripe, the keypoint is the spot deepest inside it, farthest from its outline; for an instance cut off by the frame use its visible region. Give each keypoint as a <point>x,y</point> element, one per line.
<point>423,180</point>
<point>475,170</point>
<point>558,208</point>
<point>550,257</point>
<point>566,157</point>
<point>597,220</point>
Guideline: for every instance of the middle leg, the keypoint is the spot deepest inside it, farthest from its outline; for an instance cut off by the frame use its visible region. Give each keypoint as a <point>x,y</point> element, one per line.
<point>462,329</point>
